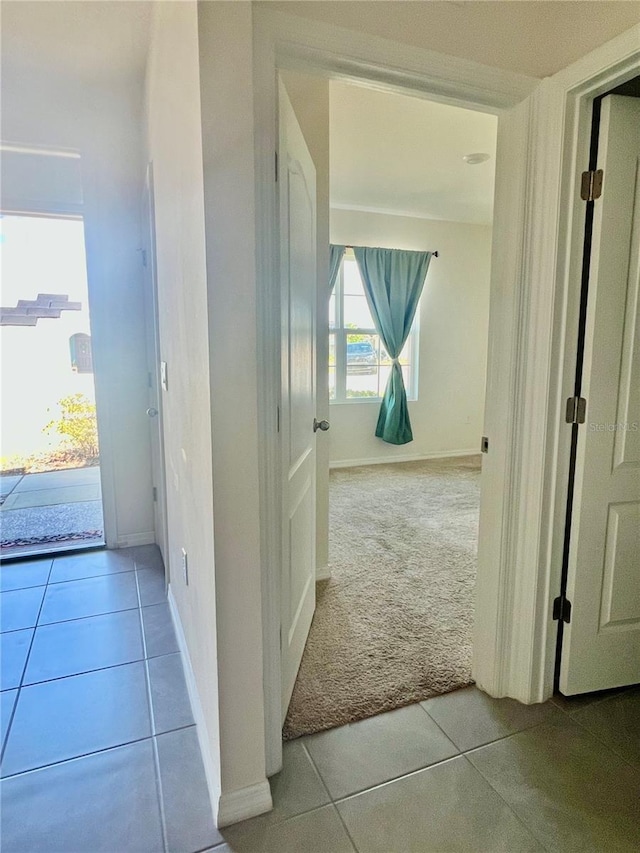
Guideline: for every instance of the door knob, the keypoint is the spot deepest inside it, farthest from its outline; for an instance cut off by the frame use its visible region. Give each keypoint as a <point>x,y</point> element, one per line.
<point>323,425</point>
<point>152,412</point>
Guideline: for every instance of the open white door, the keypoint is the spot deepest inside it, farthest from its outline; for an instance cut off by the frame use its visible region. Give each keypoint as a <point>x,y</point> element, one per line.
<point>297,195</point>
<point>601,644</point>
<point>154,398</point>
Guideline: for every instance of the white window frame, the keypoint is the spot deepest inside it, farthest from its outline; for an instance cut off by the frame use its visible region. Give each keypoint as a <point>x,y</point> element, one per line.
<point>341,332</point>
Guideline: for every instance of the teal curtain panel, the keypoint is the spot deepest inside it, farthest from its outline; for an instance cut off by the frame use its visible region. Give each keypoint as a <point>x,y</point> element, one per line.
<point>335,259</point>
<point>393,281</point>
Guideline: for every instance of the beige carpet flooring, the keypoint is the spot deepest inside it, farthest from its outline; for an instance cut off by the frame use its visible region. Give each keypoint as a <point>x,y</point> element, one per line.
<point>393,625</point>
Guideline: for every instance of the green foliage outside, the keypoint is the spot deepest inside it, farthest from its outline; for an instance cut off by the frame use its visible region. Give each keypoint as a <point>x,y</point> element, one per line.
<point>361,394</point>
<point>77,425</point>
<point>356,339</point>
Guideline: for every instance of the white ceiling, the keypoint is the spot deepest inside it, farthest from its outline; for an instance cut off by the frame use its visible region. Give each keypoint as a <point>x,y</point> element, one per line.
<point>398,154</point>
<point>531,37</point>
<point>97,38</point>
<point>90,39</point>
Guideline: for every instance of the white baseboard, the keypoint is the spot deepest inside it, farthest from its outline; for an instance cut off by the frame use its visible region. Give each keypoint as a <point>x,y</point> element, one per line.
<point>212,773</point>
<point>414,457</point>
<point>131,539</point>
<point>244,803</point>
<point>229,807</point>
<point>323,573</point>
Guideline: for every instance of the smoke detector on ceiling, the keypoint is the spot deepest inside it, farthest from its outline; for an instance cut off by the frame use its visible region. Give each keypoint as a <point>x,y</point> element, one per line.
<point>474,159</point>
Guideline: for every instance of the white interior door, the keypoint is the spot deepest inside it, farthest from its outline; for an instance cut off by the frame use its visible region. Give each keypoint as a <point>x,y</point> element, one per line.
<point>297,195</point>
<point>154,397</point>
<point>601,646</point>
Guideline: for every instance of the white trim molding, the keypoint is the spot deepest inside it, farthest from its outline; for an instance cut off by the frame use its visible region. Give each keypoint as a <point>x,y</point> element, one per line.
<point>408,457</point>
<point>244,803</point>
<point>131,539</point>
<point>360,58</point>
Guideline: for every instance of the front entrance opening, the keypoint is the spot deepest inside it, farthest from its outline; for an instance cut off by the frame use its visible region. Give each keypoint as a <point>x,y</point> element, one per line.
<point>50,471</point>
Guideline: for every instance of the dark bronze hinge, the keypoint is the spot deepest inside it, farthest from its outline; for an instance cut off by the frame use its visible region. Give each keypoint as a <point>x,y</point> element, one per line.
<point>562,609</point>
<point>591,185</point>
<point>576,410</point>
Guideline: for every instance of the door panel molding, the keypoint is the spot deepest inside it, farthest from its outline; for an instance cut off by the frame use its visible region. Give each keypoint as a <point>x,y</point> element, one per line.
<point>620,612</point>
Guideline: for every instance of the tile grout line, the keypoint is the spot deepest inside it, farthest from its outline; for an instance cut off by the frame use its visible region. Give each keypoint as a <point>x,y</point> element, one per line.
<point>435,722</point>
<point>603,743</point>
<point>88,754</point>
<point>91,577</point>
<point>80,618</point>
<point>331,800</point>
<point>396,779</point>
<point>489,742</point>
<point>84,672</point>
<point>154,743</point>
<point>24,669</point>
<point>526,828</point>
<point>94,669</point>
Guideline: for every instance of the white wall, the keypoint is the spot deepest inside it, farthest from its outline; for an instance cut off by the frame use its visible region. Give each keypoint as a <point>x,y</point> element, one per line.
<point>174,145</point>
<point>454,312</point>
<point>309,97</point>
<point>226,87</point>
<point>102,120</point>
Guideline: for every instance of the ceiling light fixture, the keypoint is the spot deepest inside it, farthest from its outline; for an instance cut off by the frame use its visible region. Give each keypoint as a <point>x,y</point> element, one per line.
<point>474,159</point>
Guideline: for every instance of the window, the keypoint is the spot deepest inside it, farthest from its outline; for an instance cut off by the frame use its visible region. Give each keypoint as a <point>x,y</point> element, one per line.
<point>359,365</point>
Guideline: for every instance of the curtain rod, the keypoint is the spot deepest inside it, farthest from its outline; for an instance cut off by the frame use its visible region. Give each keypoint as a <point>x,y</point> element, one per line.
<point>433,254</point>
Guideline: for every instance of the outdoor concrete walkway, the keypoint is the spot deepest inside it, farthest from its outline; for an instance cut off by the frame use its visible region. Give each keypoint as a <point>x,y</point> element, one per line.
<point>51,504</point>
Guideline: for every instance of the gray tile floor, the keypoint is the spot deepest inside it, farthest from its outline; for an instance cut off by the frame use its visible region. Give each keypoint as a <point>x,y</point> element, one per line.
<point>100,751</point>
<point>461,772</point>
<point>99,747</point>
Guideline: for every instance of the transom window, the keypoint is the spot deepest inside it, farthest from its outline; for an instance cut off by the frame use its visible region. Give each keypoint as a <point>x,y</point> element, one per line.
<point>359,365</point>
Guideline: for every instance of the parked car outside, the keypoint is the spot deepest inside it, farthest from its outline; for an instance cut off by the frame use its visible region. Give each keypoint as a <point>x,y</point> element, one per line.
<point>361,357</point>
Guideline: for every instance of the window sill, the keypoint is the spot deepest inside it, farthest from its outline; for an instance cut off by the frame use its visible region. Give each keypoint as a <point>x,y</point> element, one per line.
<point>365,400</point>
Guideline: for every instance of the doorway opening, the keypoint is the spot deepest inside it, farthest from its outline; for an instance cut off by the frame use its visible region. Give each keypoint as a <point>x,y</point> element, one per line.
<point>50,465</point>
<point>394,613</point>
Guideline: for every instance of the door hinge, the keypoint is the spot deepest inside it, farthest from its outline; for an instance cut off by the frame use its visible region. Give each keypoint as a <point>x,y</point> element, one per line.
<point>576,410</point>
<point>591,185</point>
<point>143,255</point>
<point>277,418</point>
<point>149,380</point>
<point>561,609</point>
<point>484,444</point>
<point>276,166</point>
<point>155,494</point>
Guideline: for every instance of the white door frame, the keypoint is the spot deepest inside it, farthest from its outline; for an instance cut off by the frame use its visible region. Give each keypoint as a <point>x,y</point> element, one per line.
<point>532,291</point>
<point>580,84</point>
<point>152,322</point>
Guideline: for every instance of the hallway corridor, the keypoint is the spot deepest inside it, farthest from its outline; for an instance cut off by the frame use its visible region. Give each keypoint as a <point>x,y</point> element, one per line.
<point>99,746</point>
